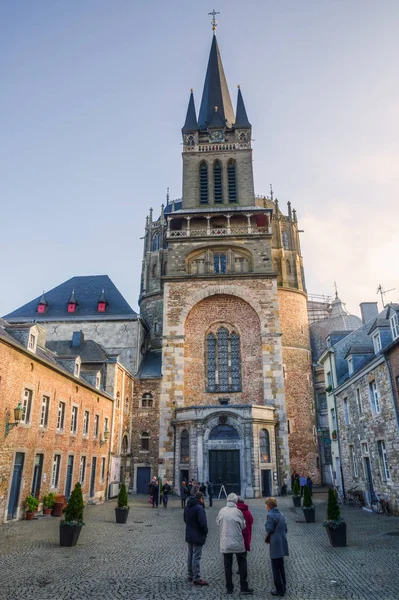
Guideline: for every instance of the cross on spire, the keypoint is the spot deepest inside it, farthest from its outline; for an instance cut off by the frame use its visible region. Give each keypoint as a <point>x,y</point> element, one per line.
<point>214,22</point>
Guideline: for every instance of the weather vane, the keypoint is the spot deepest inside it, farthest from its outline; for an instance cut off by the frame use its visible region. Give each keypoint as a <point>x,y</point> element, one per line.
<point>336,289</point>
<point>214,22</point>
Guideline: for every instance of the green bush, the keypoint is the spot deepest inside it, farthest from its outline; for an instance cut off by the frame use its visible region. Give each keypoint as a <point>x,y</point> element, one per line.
<point>49,500</point>
<point>307,498</point>
<point>31,503</point>
<point>74,509</point>
<point>334,519</point>
<point>122,497</point>
<point>296,489</point>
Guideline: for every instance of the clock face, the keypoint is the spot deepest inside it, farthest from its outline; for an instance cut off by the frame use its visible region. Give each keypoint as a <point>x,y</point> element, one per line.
<point>216,135</point>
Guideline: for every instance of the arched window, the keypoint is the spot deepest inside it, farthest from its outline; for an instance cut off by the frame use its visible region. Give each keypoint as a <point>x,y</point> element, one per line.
<point>223,362</point>
<point>154,270</point>
<point>184,446</point>
<point>276,265</point>
<point>264,443</point>
<point>219,263</point>
<point>125,445</point>
<point>232,181</point>
<point>155,243</point>
<point>284,237</point>
<point>224,432</point>
<point>289,270</point>
<point>145,441</point>
<point>203,183</point>
<point>217,183</point>
<point>146,401</point>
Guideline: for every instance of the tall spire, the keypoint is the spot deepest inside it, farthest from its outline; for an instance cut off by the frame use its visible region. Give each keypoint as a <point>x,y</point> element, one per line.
<point>241,113</point>
<point>191,123</point>
<point>216,92</point>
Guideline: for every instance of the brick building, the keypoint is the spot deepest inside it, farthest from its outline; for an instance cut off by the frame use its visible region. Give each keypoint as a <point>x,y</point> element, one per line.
<point>61,438</point>
<point>223,294</point>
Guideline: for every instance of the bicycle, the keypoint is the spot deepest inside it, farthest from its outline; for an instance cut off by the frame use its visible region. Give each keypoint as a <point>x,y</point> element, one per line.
<point>355,497</point>
<point>380,505</point>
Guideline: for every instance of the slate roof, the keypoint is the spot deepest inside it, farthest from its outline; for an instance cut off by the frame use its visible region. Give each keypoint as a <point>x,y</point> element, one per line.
<point>151,365</point>
<point>191,123</point>
<point>216,91</point>
<point>88,290</point>
<point>241,113</point>
<point>360,350</point>
<point>340,322</point>
<point>89,351</point>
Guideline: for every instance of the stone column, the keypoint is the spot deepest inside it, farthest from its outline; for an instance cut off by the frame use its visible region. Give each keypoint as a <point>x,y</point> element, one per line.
<point>188,226</point>
<point>249,466</point>
<point>228,224</point>
<point>249,223</point>
<point>168,230</point>
<point>200,453</point>
<point>208,224</point>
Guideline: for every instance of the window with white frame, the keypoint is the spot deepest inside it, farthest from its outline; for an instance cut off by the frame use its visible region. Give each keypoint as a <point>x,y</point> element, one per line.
<point>44,410</point>
<point>106,424</point>
<point>102,477</point>
<point>82,469</point>
<point>329,379</point>
<point>146,401</point>
<point>350,365</point>
<point>98,380</point>
<point>383,460</point>
<point>374,398</point>
<point>27,406</point>
<point>96,425</point>
<point>365,448</point>
<point>61,416</point>
<point>346,412</point>
<point>359,401</point>
<point>86,422</point>
<point>394,321</point>
<point>353,461</point>
<point>333,418</point>
<point>377,342</point>
<point>74,419</point>
<point>55,472</point>
<point>77,369</point>
<point>32,341</point>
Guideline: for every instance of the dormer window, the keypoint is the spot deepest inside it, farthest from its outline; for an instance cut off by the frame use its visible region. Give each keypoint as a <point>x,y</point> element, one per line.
<point>32,342</point>
<point>394,325</point>
<point>98,380</point>
<point>350,365</point>
<point>72,303</point>
<point>71,307</point>
<point>41,308</point>
<point>101,306</point>
<point>377,342</point>
<point>77,369</point>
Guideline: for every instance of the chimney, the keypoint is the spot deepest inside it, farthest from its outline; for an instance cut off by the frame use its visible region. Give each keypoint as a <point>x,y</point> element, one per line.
<point>369,310</point>
<point>77,339</point>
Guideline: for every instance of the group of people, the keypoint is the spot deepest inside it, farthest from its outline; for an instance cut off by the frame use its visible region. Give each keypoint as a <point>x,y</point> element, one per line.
<point>235,522</point>
<point>193,487</point>
<point>304,480</point>
<point>155,492</point>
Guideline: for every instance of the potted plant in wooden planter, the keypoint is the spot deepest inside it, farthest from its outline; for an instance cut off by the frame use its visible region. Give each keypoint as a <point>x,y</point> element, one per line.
<point>31,504</point>
<point>335,525</point>
<point>122,510</point>
<point>48,503</point>
<point>72,523</point>
<point>296,493</point>
<point>308,507</point>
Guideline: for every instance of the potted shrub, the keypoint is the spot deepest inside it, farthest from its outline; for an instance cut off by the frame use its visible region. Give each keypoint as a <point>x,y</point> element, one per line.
<point>334,435</point>
<point>329,389</point>
<point>308,507</point>
<point>72,523</point>
<point>48,503</point>
<point>31,504</point>
<point>296,493</point>
<point>122,510</point>
<point>335,525</point>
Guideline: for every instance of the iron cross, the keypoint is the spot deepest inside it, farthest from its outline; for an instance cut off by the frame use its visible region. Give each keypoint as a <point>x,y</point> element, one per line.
<point>214,22</point>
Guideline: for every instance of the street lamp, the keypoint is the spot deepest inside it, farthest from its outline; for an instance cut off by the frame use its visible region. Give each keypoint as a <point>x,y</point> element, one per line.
<point>18,413</point>
<point>105,438</point>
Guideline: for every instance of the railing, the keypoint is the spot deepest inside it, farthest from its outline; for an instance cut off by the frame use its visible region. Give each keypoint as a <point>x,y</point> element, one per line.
<point>218,232</point>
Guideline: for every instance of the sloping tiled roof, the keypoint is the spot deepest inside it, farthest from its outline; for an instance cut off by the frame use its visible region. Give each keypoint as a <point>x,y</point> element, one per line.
<point>151,365</point>
<point>87,290</point>
<point>89,351</point>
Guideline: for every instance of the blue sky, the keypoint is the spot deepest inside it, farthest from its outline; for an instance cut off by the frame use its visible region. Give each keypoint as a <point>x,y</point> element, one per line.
<point>94,95</point>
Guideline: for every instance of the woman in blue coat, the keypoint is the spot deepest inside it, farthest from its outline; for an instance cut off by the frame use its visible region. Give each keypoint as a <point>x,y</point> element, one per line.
<point>276,529</point>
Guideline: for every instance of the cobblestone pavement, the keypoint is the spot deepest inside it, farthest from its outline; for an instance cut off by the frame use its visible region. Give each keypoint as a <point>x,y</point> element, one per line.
<point>146,558</point>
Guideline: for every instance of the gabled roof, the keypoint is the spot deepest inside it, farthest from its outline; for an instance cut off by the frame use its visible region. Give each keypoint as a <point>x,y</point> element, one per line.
<point>87,289</point>
<point>191,123</point>
<point>216,91</point>
<point>241,113</point>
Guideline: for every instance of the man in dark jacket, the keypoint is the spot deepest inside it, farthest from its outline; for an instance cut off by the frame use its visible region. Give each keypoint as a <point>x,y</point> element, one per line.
<point>196,532</point>
<point>276,528</point>
<point>209,486</point>
<point>166,489</point>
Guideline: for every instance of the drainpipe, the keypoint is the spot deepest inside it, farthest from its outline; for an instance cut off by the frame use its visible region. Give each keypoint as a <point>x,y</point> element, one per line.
<point>392,390</point>
<point>276,434</point>
<point>174,454</point>
<point>337,426</point>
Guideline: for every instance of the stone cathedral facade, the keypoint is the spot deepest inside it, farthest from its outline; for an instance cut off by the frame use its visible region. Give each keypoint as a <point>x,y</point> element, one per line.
<point>224,301</point>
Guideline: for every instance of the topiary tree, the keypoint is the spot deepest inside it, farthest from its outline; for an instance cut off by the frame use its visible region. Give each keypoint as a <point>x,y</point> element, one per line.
<point>296,490</point>
<point>122,497</point>
<point>334,519</point>
<point>307,498</point>
<point>74,509</point>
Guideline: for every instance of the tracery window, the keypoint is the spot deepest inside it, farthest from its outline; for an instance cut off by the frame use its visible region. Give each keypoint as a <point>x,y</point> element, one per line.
<point>224,432</point>
<point>289,270</point>
<point>184,446</point>
<point>284,237</point>
<point>217,183</point>
<point>219,263</point>
<point>155,243</point>
<point>146,401</point>
<point>232,181</point>
<point>264,443</point>
<point>203,183</point>
<point>223,361</point>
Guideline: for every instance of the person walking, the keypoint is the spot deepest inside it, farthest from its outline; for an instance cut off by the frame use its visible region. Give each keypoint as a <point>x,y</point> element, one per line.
<point>302,483</point>
<point>232,523</point>
<point>276,530</point>
<point>196,532</point>
<point>209,487</point>
<point>190,487</point>
<point>309,483</point>
<point>183,493</point>
<point>247,532</point>
<point>166,489</point>
<point>154,492</point>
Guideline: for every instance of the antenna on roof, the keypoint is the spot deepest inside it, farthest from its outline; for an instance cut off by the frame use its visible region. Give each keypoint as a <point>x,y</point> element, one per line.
<point>382,292</point>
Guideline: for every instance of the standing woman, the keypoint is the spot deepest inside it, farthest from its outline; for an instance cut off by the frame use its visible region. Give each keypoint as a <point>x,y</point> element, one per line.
<point>276,530</point>
<point>183,493</point>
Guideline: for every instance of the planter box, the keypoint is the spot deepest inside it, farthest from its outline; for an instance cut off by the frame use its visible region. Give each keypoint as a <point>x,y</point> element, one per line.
<point>337,536</point>
<point>47,511</point>
<point>297,501</point>
<point>309,515</point>
<point>29,515</point>
<point>69,535</point>
<point>121,514</point>
<point>57,510</point>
